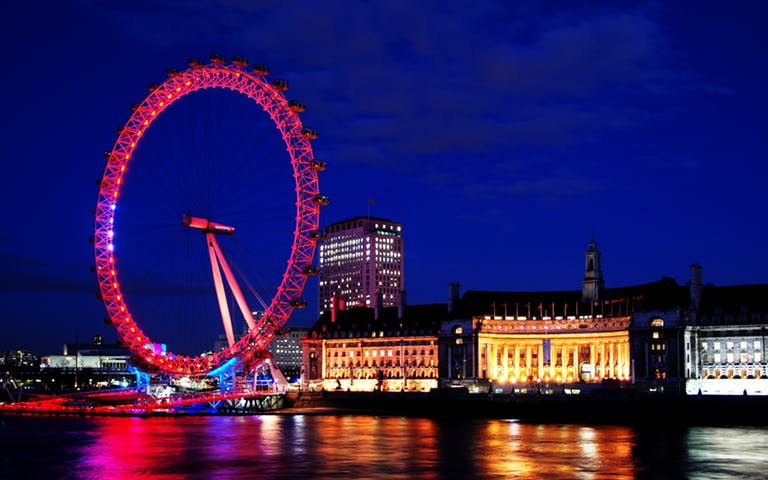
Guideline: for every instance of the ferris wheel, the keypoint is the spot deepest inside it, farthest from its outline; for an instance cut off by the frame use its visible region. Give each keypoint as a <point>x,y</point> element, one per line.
<point>197,214</point>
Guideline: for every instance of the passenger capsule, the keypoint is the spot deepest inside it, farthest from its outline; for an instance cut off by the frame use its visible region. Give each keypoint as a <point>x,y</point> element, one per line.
<point>217,59</point>
<point>309,133</point>
<point>311,270</point>
<point>194,62</point>
<point>317,235</point>
<point>321,200</point>
<point>280,84</point>
<point>240,61</point>
<point>152,87</point>
<point>295,106</point>
<point>318,165</point>
<point>172,72</point>
<point>298,303</point>
<point>260,70</point>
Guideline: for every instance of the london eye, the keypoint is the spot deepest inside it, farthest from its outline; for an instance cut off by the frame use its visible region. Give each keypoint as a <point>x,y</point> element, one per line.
<point>206,221</point>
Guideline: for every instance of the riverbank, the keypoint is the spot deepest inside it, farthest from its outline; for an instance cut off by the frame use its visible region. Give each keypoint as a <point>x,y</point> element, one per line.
<point>617,407</point>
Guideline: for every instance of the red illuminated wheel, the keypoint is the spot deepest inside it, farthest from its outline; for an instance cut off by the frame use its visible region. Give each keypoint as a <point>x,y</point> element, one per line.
<point>191,213</point>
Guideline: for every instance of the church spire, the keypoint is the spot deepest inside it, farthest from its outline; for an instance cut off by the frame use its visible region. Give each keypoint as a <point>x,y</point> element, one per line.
<point>593,273</point>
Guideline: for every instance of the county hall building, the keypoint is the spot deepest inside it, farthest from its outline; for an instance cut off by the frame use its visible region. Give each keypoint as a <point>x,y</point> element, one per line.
<point>559,337</point>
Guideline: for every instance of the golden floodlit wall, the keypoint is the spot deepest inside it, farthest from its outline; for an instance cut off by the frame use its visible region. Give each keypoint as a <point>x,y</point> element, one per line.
<point>562,351</point>
<point>370,364</point>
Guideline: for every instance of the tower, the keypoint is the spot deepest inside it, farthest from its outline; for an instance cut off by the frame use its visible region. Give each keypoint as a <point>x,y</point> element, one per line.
<point>593,273</point>
<point>361,263</point>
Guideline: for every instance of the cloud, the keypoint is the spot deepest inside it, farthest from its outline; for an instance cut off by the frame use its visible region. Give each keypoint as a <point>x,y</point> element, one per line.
<point>404,85</point>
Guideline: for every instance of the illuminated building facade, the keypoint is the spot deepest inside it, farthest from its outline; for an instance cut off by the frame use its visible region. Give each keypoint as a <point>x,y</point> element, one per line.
<point>543,337</point>
<point>368,349</point>
<point>563,337</point>
<point>286,351</point>
<point>361,263</point>
<point>103,357</point>
<point>725,340</point>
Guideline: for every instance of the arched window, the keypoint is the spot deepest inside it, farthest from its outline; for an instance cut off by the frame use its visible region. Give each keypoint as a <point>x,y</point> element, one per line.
<point>458,330</point>
<point>657,322</point>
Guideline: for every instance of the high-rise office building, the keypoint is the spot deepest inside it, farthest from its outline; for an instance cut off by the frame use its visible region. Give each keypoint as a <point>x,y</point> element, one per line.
<point>286,351</point>
<point>361,264</point>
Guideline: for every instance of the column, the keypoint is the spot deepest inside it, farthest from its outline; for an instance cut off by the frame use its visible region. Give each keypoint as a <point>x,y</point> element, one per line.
<point>552,360</point>
<point>493,364</point>
<point>564,365</point>
<point>611,347</point>
<point>516,353</point>
<point>576,371</point>
<point>622,362</point>
<point>505,362</point>
<point>541,361</point>
<point>602,359</point>
<point>625,360</point>
<point>528,357</point>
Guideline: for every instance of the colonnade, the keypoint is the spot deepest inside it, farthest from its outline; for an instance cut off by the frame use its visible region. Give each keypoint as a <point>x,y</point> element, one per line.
<point>569,359</point>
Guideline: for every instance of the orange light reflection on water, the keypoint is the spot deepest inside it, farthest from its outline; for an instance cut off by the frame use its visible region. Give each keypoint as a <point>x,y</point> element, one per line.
<point>511,449</point>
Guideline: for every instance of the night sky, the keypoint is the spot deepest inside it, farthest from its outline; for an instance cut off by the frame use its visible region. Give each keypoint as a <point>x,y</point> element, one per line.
<point>501,134</point>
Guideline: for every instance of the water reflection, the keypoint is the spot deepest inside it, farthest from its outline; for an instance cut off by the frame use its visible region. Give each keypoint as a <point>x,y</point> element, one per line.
<point>718,453</point>
<point>556,451</point>
<point>367,447</point>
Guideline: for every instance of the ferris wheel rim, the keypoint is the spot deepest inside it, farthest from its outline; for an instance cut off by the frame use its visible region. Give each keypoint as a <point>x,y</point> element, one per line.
<point>235,77</point>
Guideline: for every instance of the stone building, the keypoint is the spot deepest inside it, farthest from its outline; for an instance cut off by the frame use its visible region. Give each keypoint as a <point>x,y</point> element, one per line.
<point>556,337</point>
<point>725,339</point>
<point>373,349</point>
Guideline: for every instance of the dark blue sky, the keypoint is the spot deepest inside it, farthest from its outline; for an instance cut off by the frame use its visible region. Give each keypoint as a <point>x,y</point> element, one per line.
<point>501,134</point>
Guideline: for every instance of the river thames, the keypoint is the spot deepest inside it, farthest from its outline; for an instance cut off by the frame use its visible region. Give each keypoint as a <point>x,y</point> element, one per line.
<point>368,447</point>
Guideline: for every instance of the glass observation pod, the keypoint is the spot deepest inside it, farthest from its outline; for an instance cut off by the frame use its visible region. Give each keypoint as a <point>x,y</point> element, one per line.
<point>317,235</point>
<point>311,270</point>
<point>296,106</point>
<point>309,133</point>
<point>240,61</point>
<point>321,200</point>
<point>279,84</point>
<point>194,62</point>
<point>218,59</point>
<point>318,165</point>
<point>299,303</point>
<point>260,70</point>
